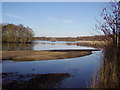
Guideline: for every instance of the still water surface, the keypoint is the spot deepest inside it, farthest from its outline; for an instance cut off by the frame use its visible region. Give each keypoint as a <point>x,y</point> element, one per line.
<point>43,45</point>
<point>81,69</point>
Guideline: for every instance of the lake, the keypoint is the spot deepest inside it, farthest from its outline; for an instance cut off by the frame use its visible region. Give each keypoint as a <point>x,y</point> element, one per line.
<point>43,45</point>
<point>81,69</point>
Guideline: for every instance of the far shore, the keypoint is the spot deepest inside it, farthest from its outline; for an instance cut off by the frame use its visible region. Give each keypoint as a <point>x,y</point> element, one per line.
<point>36,55</point>
<point>88,43</point>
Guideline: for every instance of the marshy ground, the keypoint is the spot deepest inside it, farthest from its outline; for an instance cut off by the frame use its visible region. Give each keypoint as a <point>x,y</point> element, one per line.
<point>29,55</point>
<point>16,80</point>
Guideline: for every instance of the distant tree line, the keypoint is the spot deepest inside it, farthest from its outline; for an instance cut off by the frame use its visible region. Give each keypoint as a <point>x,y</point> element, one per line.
<point>85,38</point>
<point>93,38</point>
<point>55,38</point>
<point>16,34</point>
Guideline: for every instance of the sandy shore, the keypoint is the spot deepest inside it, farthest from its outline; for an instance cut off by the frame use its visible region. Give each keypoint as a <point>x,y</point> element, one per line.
<point>28,55</point>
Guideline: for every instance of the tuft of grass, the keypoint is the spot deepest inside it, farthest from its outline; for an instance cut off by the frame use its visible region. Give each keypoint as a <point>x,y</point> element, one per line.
<point>108,75</point>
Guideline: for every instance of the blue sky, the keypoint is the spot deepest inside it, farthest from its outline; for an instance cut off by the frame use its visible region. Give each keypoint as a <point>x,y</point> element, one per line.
<point>55,19</point>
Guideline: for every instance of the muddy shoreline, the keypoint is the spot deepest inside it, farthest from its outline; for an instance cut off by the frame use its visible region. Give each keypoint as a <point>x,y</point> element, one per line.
<point>17,80</point>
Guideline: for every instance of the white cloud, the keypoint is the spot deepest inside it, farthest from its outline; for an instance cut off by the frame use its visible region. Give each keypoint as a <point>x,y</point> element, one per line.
<point>67,21</point>
<point>13,16</point>
<point>51,19</point>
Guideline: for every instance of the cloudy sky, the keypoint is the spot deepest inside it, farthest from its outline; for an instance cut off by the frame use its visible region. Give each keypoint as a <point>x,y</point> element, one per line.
<point>56,19</point>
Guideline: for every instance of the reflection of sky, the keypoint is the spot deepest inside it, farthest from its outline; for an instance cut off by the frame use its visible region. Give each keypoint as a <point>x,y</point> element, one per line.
<point>48,45</point>
<point>43,45</point>
<point>81,68</point>
<point>55,42</point>
<point>50,65</point>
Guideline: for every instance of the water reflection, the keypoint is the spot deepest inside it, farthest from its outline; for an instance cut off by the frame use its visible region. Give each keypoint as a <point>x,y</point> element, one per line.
<point>43,45</point>
<point>81,69</point>
<point>48,45</point>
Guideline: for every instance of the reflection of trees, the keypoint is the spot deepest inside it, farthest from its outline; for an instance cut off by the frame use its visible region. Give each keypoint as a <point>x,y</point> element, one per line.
<point>17,46</point>
<point>70,43</point>
<point>53,43</point>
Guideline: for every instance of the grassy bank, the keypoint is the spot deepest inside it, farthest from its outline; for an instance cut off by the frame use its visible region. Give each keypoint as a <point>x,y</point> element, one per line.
<point>108,75</point>
<point>28,55</point>
<point>94,44</point>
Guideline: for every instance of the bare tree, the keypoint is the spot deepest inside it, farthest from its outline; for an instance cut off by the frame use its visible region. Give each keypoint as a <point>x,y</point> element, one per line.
<point>109,23</point>
<point>109,73</point>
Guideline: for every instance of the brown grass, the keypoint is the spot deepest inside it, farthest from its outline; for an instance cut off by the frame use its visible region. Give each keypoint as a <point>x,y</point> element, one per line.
<point>94,44</point>
<point>42,55</point>
<point>109,73</point>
